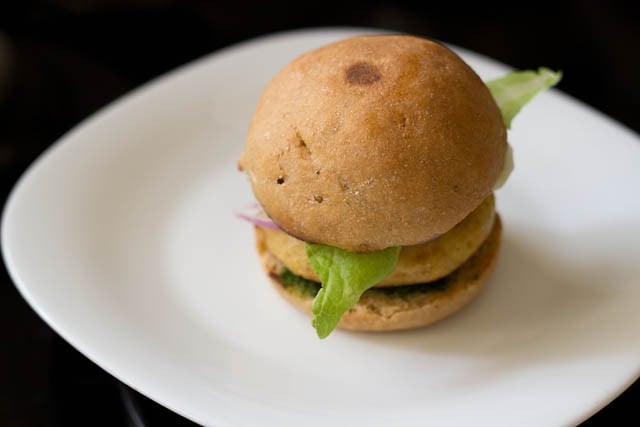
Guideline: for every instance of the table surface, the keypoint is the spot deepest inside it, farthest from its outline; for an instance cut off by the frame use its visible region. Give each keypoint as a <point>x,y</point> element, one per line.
<point>60,61</point>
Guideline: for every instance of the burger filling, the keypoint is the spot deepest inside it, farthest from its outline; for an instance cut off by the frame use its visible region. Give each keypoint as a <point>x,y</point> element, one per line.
<point>419,263</point>
<point>336,278</point>
<point>305,287</point>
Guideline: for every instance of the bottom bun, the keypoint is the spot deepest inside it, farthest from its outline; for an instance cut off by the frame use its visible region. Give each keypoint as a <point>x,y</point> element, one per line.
<point>405,307</point>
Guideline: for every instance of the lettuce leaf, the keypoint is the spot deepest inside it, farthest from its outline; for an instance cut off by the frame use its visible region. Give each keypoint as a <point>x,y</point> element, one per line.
<point>514,90</point>
<point>345,276</point>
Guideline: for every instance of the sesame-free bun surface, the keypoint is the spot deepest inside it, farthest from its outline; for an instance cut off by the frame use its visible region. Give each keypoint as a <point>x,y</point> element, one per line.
<point>381,310</point>
<point>374,141</point>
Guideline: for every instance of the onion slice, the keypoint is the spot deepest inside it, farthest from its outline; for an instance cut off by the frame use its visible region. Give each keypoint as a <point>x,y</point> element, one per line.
<point>254,214</point>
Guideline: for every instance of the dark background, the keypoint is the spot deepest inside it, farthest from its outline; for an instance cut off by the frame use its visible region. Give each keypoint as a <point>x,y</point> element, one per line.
<point>60,60</point>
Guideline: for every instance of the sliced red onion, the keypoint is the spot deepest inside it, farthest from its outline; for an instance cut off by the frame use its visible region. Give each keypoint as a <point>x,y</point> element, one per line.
<point>256,216</point>
<point>434,237</point>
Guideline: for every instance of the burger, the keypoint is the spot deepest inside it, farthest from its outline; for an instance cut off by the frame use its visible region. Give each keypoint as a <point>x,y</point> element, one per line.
<point>374,160</point>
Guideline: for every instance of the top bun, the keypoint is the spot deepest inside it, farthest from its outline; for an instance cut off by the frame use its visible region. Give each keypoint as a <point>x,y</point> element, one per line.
<point>372,142</point>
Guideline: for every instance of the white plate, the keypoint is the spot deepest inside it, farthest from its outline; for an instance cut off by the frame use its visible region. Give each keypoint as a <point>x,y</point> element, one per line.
<point>122,238</point>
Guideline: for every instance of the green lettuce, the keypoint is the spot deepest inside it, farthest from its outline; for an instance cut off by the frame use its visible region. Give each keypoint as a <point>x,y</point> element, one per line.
<point>514,90</point>
<point>344,276</point>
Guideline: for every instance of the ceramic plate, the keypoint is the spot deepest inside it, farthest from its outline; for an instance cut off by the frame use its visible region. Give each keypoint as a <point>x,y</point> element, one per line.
<point>122,238</point>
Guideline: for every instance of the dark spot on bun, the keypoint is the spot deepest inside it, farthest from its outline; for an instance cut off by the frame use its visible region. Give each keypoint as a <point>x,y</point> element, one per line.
<point>362,74</point>
<point>318,198</point>
<point>301,142</point>
<point>344,184</point>
<point>280,180</point>
<point>275,276</point>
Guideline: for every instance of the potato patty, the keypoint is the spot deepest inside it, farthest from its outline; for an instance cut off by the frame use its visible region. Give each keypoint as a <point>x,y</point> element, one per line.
<point>421,263</point>
<point>402,307</point>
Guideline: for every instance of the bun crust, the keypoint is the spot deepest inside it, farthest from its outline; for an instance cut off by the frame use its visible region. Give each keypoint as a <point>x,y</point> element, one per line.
<point>372,142</point>
<point>378,310</point>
